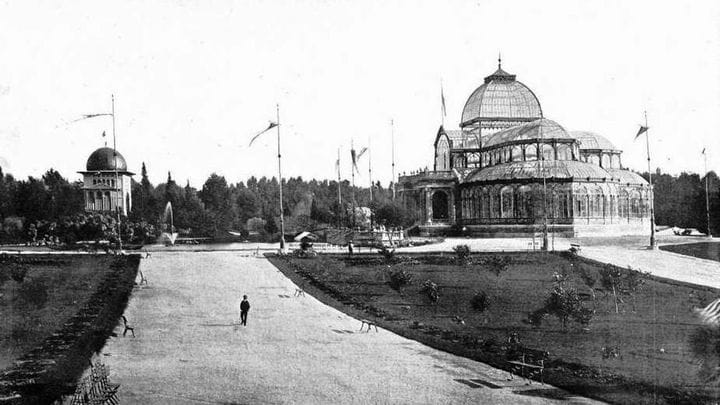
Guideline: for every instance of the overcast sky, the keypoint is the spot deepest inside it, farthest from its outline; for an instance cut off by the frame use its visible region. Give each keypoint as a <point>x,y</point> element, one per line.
<point>194,80</point>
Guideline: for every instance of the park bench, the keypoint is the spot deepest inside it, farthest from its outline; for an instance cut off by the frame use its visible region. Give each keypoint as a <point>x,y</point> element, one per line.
<point>369,325</point>
<point>528,364</point>
<point>574,247</point>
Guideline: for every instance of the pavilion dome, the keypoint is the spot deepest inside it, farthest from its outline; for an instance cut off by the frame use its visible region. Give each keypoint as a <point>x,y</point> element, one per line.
<point>501,96</point>
<point>592,141</point>
<point>106,159</point>
<point>543,128</point>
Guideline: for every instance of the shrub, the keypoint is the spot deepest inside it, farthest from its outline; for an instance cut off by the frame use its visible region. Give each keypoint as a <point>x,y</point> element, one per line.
<point>387,254</point>
<point>462,253</point>
<point>498,264</point>
<point>399,278</point>
<point>480,301</point>
<point>431,290</point>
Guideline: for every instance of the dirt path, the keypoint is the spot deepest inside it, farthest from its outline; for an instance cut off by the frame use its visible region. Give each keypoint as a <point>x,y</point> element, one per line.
<point>189,350</point>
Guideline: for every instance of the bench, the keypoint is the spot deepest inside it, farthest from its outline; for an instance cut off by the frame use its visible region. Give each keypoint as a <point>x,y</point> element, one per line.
<point>369,325</point>
<point>531,363</point>
<point>299,292</point>
<point>574,247</point>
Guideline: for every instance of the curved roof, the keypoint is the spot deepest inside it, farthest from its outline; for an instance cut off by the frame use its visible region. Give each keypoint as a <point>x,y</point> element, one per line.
<point>501,96</point>
<point>591,140</point>
<point>538,129</point>
<point>106,159</point>
<point>558,169</point>
<point>628,177</point>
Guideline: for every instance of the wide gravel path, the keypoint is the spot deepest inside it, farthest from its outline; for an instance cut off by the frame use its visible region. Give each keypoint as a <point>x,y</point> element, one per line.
<point>189,348</point>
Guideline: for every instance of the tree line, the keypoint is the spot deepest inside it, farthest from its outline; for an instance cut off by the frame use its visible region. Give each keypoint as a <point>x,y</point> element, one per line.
<point>52,206</point>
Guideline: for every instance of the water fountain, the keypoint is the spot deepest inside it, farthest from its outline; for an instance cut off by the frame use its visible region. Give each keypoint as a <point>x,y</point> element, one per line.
<point>168,237</point>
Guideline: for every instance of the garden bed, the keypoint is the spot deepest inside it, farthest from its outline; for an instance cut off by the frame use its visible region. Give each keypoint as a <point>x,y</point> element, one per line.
<point>57,317</point>
<point>638,355</point>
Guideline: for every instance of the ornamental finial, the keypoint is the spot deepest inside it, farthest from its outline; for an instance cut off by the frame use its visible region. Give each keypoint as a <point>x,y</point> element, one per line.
<point>499,61</point>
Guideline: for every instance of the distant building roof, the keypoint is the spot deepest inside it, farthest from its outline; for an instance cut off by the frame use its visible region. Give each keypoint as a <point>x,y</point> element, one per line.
<point>106,159</point>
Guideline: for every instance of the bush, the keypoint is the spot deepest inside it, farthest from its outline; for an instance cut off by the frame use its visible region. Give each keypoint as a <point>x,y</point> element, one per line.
<point>399,278</point>
<point>462,252</point>
<point>387,254</point>
<point>480,301</point>
<point>498,264</point>
<point>431,290</point>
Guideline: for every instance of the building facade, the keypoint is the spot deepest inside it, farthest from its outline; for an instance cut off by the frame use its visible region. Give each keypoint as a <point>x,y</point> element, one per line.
<point>107,182</point>
<point>509,171</point>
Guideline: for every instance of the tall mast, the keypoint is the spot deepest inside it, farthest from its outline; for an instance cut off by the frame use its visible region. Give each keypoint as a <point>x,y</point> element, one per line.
<point>541,158</point>
<point>282,220</point>
<point>352,172</point>
<point>707,196</point>
<point>339,193</point>
<point>118,195</point>
<point>392,140</point>
<point>653,244</point>
<point>370,168</point>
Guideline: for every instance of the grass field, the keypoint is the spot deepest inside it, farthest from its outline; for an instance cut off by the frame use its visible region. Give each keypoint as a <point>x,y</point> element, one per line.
<point>702,250</point>
<point>52,291</point>
<point>649,334</point>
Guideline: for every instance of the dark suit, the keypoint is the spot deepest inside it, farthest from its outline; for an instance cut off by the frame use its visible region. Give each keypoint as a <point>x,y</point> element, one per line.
<point>244,308</point>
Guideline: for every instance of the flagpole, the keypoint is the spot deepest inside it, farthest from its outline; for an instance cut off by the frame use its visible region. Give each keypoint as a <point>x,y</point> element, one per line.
<point>707,196</point>
<point>339,193</point>
<point>117,183</point>
<point>653,244</point>
<point>392,140</point>
<point>352,172</point>
<point>442,105</point>
<point>282,220</point>
<point>370,169</point>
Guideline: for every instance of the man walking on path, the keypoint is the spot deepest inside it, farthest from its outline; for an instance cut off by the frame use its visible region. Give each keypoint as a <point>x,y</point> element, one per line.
<point>244,308</point>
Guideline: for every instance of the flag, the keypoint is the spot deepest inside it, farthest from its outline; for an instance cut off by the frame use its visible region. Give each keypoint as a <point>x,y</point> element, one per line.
<point>711,313</point>
<point>703,152</point>
<point>103,134</point>
<point>442,100</point>
<point>356,157</point>
<point>88,116</point>
<point>642,130</point>
<point>271,126</point>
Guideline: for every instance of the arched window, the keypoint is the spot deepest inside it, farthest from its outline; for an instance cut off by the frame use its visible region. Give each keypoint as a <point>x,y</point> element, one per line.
<point>581,203</point>
<point>548,152</point>
<point>615,161</point>
<point>506,197</point>
<point>530,152</point>
<point>562,203</point>
<point>485,203</point>
<point>605,161</point>
<point>623,204</point>
<point>517,154</point>
<point>524,202</point>
<point>495,204</point>
<point>441,155</point>
<point>564,152</point>
<point>594,159</point>
<point>596,202</point>
<point>439,205</point>
<point>635,206</point>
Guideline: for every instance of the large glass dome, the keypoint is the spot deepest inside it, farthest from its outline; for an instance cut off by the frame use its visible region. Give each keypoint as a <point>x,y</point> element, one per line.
<point>501,96</point>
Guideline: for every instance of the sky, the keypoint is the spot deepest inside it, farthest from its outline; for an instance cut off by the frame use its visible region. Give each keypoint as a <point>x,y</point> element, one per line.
<point>195,80</point>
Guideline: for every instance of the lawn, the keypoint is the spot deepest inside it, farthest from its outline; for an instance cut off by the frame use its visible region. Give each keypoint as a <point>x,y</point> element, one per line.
<point>57,310</point>
<point>646,357</point>
<point>702,250</point>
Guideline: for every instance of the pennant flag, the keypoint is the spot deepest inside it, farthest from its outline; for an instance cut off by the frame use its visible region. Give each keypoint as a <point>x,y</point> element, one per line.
<point>337,164</point>
<point>642,130</point>
<point>103,134</point>
<point>88,116</point>
<point>703,152</point>
<point>356,157</point>
<point>271,126</point>
<point>711,313</point>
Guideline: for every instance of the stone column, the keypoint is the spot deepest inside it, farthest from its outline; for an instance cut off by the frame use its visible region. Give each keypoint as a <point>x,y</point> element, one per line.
<point>428,206</point>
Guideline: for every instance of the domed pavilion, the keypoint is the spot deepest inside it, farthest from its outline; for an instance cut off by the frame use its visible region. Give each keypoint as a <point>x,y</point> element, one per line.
<point>107,182</point>
<point>509,171</point>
